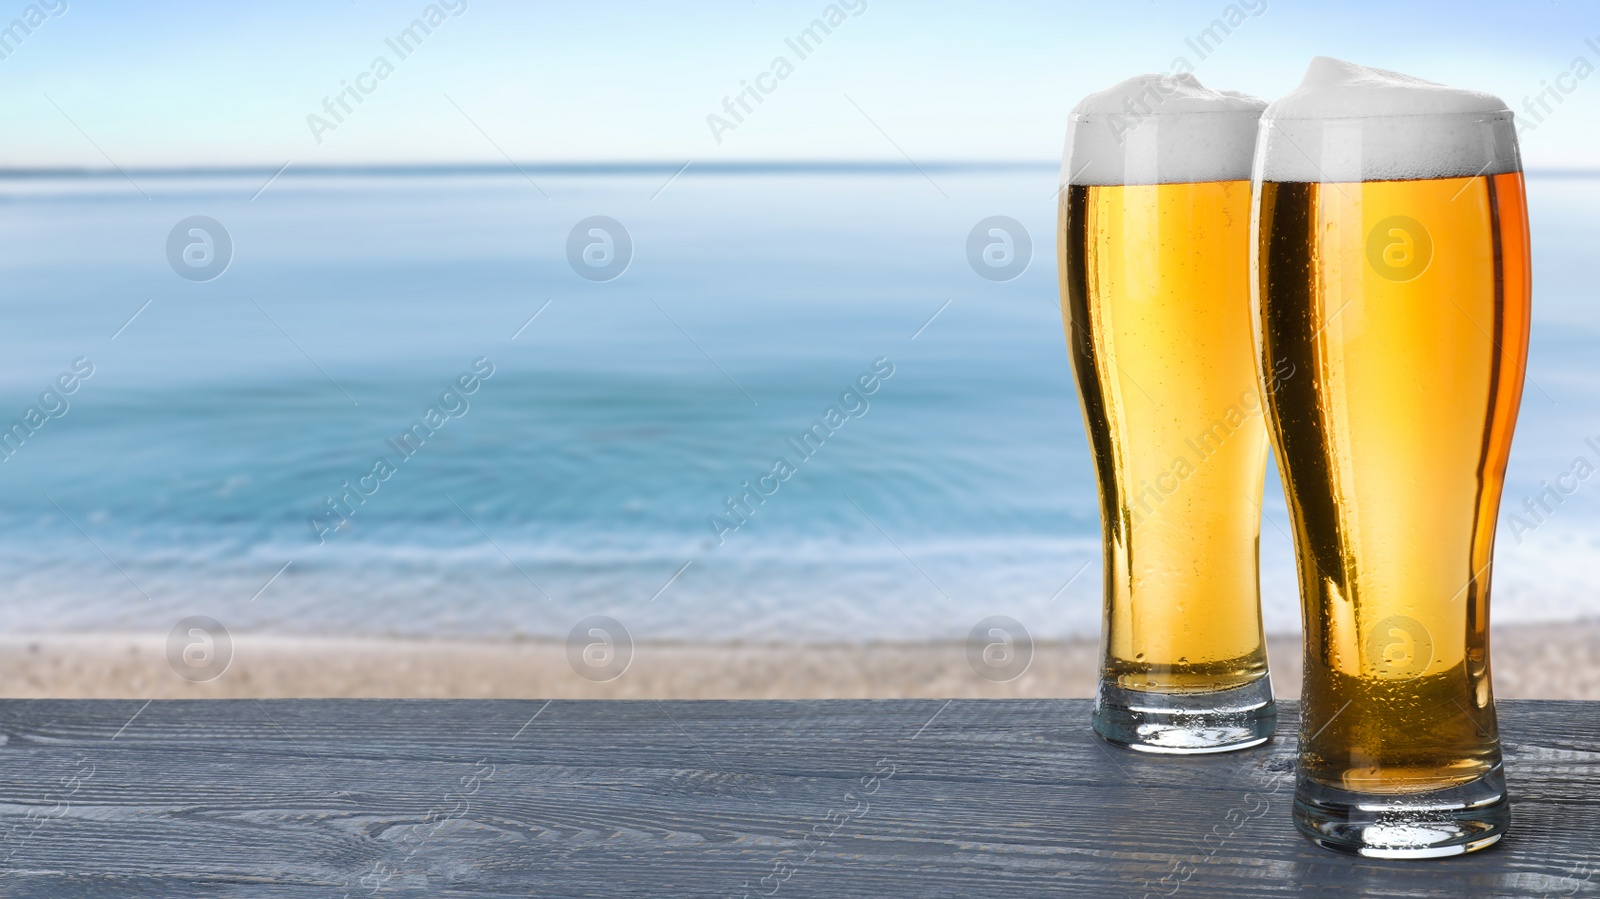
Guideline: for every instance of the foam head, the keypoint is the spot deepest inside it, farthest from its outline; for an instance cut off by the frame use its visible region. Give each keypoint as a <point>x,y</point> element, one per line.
<point>1350,123</point>
<point>1160,129</point>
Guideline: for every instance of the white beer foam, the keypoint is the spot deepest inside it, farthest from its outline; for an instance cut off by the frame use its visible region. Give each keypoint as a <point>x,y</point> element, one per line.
<point>1160,129</point>
<point>1352,123</point>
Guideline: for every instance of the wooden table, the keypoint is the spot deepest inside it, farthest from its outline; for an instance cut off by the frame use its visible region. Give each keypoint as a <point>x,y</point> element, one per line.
<point>826,798</point>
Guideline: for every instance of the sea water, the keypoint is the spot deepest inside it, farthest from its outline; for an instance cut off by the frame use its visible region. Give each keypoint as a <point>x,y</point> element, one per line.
<point>202,467</point>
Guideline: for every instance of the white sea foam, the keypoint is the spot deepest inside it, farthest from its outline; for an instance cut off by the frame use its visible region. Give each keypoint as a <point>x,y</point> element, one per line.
<point>1160,129</point>
<point>1351,123</point>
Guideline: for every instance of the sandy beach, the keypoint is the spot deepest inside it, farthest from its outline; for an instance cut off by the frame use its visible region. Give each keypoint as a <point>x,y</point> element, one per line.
<point>1549,661</point>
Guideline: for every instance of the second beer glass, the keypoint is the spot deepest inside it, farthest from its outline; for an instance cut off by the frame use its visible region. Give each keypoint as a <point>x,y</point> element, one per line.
<point>1393,270</point>
<point>1153,246</point>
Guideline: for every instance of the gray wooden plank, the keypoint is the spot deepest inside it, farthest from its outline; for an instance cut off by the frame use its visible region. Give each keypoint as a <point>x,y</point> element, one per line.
<point>571,798</point>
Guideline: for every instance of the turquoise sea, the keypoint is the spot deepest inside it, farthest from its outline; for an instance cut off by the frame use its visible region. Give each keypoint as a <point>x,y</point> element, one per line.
<point>609,421</point>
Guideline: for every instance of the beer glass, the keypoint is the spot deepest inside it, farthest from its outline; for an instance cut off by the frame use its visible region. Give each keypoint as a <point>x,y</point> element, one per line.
<point>1153,249</point>
<point>1391,271</point>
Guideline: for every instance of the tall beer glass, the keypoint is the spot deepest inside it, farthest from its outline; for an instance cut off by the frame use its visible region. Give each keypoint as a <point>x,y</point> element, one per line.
<point>1153,246</point>
<point>1392,273</point>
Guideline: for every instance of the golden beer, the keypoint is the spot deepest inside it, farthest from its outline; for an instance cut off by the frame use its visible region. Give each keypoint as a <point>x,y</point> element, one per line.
<point>1153,243</point>
<point>1406,305</point>
<point>1155,296</point>
<point>1391,268</point>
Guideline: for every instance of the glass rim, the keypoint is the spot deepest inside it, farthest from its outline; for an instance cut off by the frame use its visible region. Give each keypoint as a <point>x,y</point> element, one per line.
<point>1496,115</point>
<point>1141,118</point>
<point>1486,173</point>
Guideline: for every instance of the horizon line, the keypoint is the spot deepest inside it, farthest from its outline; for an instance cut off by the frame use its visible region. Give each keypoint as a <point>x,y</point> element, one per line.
<point>569,167</point>
<point>609,167</point>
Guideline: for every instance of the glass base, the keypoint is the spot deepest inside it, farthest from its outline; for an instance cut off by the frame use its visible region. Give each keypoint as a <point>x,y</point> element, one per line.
<point>1186,723</point>
<point>1454,821</point>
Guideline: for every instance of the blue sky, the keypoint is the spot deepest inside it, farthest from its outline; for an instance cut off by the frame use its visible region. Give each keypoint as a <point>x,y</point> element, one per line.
<point>208,83</point>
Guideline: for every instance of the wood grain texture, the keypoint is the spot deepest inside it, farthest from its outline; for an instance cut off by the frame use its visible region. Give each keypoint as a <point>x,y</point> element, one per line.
<point>1010,798</point>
